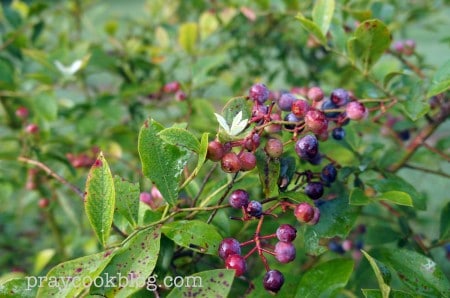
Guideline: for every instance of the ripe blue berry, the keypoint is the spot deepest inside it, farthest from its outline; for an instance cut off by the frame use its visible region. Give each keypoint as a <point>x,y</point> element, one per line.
<point>336,247</point>
<point>291,118</point>
<point>285,101</point>
<point>338,133</point>
<point>286,233</point>
<point>259,93</point>
<point>329,173</point>
<point>229,246</point>
<point>307,147</point>
<point>329,105</point>
<point>237,263</point>
<point>339,96</point>
<point>273,281</point>
<point>284,252</point>
<point>314,190</point>
<point>254,208</point>
<point>239,198</point>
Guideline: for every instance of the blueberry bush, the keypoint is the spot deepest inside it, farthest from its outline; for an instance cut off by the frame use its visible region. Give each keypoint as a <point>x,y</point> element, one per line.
<point>224,148</point>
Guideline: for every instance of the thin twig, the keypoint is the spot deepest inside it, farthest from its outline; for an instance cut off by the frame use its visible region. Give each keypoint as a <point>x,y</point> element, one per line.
<point>426,170</point>
<point>229,187</point>
<point>50,172</point>
<point>438,152</point>
<point>202,186</point>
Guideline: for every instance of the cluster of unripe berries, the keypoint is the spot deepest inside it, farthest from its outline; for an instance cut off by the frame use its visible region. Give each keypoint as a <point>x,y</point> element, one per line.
<point>404,47</point>
<point>22,113</point>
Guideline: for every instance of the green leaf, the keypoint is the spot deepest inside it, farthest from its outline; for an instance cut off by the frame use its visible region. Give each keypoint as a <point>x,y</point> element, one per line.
<point>46,106</point>
<point>370,293</point>
<point>396,197</point>
<point>187,37</point>
<point>444,230</point>
<point>269,172</point>
<point>441,80</point>
<point>180,137</point>
<point>312,28</point>
<point>6,73</point>
<point>42,258</point>
<point>100,198</point>
<point>322,14</point>
<point>325,279</point>
<point>162,163</point>
<point>127,199</point>
<point>212,283</point>
<point>336,219</point>
<point>20,287</point>
<point>135,261</point>
<point>203,151</point>
<point>39,56</point>
<point>297,196</point>
<point>208,23</point>
<point>194,234</point>
<point>68,279</point>
<point>417,272</point>
<point>370,40</point>
<point>395,183</point>
<point>382,274</point>
<point>358,197</point>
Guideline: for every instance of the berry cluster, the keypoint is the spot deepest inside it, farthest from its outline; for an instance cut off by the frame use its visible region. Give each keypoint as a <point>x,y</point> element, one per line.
<point>404,47</point>
<point>308,117</point>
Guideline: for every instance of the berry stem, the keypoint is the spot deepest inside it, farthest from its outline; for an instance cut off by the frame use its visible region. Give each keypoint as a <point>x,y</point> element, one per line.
<point>250,252</point>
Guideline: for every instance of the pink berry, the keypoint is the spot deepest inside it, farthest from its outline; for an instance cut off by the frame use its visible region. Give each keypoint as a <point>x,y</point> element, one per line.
<point>231,163</point>
<point>215,151</point>
<point>237,263</point>
<point>315,94</point>
<point>248,161</point>
<point>32,128</point>
<point>304,212</point>
<point>300,108</point>
<point>22,112</point>
<point>315,218</point>
<point>316,121</point>
<point>355,110</point>
<point>180,95</point>
<point>43,203</point>
<point>274,148</point>
<point>172,87</point>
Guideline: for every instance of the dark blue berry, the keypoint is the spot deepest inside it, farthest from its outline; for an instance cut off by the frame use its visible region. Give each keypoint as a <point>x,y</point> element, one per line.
<point>338,133</point>
<point>336,247</point>
<point>329,105</point>
<point>404,135</point>
<point>254,208</point>
<point>314,190</point>
<point>307,147</point>
<point>273,281</point>
<point>285,101</point>
<point>359,244</point>
<point>291,118</point>
<point>329,173</point>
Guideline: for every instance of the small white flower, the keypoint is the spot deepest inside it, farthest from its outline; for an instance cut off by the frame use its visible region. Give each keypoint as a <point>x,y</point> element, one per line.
<point>237,124</point>
<point>69,70</point>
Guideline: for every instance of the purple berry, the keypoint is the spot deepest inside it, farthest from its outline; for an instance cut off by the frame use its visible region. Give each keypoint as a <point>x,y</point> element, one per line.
<point>304,212</point>
<point>237,263</point>
<point>300,108</point>
<point>314,190</point>
<point>274,148</point>
<point>355,110</point>
<point>315,218</point>
<point>329,173</point>
<point>338,133</point>
<point>286,233</point>
<point>248,161</point>
<point>307,147</point>
<point>239,198</point>
<point>316,121</point>
<point>254,208</point>
<point>231,163</point>
<point>229,246</point>
<point>284,252</point>
<point>273,281</point>
<point>285,101</point>
<point>259,93</point>
<point>339,97</point>
<point>315,94</point>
